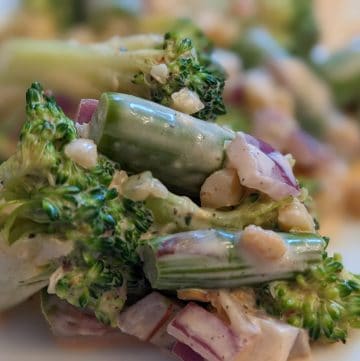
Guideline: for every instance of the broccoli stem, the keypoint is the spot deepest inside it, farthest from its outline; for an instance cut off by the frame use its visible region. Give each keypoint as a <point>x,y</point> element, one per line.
<point>215,259</point>
<point>180,150</point>
<point>120,64</point>
<point>182,214</point>
<point>74,69</point>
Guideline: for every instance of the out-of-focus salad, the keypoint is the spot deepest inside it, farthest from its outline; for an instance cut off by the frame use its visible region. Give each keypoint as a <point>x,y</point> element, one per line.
<point>152,192</point>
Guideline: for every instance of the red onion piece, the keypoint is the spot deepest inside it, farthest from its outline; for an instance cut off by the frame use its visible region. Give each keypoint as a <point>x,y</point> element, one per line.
<point>148,318</point>
<point>261,167</point>
<point>68,320</point>
<point>86,109</point>
<point>308,151</point>
<point>274,127</point>
<point>185,353</point>
<point>68,105</point>
<point>206,334</point>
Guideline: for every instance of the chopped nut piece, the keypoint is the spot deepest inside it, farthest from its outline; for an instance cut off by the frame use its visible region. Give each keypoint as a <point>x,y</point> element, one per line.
<point>295,217</point>
<point>221,189</point>
<point>263,244</point>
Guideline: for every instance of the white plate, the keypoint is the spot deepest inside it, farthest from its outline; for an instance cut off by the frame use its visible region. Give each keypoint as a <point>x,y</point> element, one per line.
<point>24,335</point>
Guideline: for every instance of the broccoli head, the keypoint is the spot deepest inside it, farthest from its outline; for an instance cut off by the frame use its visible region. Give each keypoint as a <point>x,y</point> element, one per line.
<point>325,300</point>
<point>45,192</point>
<point>188,67</point>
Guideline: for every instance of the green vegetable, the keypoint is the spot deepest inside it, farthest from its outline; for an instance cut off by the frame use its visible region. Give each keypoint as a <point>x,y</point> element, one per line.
<point>342,71</point>
<point>256,46</point>
<point>181,213</point>
<point>79,70</point>
<point>325,300</point>
<point>45,192</point>
<point>236,120</point>
<point>216,259</point>
<point>291,22</point>
<point>180,150</point>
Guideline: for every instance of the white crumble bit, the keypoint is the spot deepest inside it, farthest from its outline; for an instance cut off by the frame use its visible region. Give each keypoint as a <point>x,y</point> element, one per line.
<point>54,279</point>
<point>142,186</point>
<point>83,130</point>
<point>118,180</point>
<point>294,217</point>
<point>290,159</point>
<point>83,152</point>
<point>263,244</point>
<point>186,101</point>
<point>160,72</point>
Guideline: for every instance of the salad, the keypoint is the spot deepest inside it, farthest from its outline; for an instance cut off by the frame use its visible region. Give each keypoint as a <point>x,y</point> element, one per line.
<point>163,188</point>
<point>142,219</point>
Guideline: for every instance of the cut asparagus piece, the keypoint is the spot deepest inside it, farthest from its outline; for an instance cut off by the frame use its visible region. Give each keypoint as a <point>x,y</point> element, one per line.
<point>342,71</point>
<point>180,150</point>
<point>218,259</point>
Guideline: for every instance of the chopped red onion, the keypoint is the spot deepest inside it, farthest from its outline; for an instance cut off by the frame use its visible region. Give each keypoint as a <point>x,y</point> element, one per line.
<point>185,353</point>
<point>148,318</point>
<point>261,167</point>
<point>206,334</point>
<point>68,105</point>
<point>308,152</point>
<point>68,320</point>
<point>274,127</point>
<point>86,109</point>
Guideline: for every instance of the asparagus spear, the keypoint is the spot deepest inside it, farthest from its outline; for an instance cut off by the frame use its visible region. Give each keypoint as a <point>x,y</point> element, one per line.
<point>180,150</point>
<point>219,259</point>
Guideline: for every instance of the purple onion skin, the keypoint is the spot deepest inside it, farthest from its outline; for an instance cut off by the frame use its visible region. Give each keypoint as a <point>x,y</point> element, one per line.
<point>85,110</point>
<point>185,353</point>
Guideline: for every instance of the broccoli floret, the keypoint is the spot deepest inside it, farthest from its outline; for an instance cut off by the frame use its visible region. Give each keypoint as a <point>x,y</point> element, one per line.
<point>122,65</point>
<point>46,192</point>
<point>187,68</point>
<point>325,300</point>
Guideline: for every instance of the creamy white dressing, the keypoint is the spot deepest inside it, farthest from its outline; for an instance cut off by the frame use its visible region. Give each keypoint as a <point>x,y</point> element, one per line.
<point>54,279</point>
<point>83,130</point>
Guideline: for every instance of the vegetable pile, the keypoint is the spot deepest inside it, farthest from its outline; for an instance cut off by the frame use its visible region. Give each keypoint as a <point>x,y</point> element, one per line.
<point>92,226</point>
<point>142,213</point>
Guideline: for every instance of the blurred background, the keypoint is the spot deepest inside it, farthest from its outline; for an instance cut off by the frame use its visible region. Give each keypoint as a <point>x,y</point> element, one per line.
<point>293,74</point>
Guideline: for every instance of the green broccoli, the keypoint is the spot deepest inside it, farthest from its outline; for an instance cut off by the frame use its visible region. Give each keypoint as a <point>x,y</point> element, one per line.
<point>325,300</point>
<point>121,64</point>
<point>45,192</point>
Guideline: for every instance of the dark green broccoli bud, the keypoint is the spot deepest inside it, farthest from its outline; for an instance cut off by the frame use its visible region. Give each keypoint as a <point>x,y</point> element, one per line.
<point>325,300</point>
<point>187,70</point>
<point>303,27</point>
<point>186,29</point>
<point>44,191</point>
